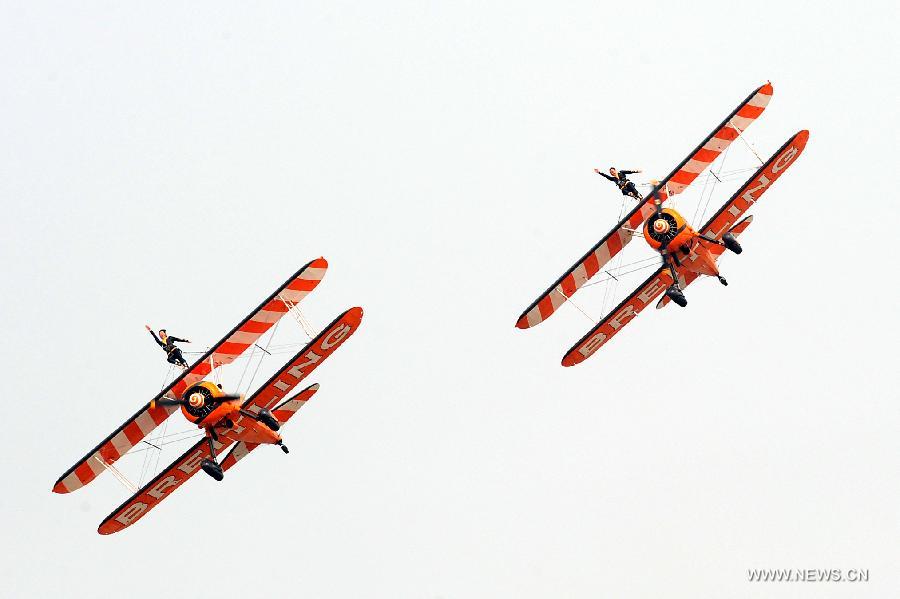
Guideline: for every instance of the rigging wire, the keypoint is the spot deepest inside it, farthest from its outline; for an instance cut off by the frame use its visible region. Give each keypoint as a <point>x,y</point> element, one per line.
<point>652,259</point>
<point>263,356</point>
<point>148,458</point>
<point>615,268</point>
<point>709,197</point>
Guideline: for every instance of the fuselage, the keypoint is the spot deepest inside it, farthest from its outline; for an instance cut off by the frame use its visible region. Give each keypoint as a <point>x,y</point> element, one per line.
<point>205,409</point>
<point>669,233</point>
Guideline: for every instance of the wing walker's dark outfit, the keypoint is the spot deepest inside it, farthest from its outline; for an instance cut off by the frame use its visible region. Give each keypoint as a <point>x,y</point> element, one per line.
<point>627,187</point>
<point>173,353</point>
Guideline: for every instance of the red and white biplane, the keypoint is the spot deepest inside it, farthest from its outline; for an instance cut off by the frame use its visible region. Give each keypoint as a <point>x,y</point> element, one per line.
<point>228,421</point>
<point>686,253</point>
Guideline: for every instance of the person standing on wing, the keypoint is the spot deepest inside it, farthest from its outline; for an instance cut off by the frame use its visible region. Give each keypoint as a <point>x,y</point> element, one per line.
<point>168,344</point>
<point>620,178</point>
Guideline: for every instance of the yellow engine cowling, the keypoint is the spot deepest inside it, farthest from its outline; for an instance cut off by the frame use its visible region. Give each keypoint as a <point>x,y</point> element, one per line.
<point>667,229</point>
<point>199,404</point>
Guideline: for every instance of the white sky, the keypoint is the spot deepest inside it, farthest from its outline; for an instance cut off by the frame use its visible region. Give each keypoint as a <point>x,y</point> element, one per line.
<point>172,164</point>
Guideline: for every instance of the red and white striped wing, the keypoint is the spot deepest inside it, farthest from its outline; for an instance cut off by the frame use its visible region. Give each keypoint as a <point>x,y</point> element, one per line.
<point>589,265</point>
<point>225,351</point>
<point>282,414</point>
<point>676,182</point>
<point>640,298</point>
<point>716,142</point>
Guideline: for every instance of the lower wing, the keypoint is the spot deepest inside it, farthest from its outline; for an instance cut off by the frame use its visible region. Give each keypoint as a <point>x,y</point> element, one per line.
<point>149,496</point>
<point>639,299</point>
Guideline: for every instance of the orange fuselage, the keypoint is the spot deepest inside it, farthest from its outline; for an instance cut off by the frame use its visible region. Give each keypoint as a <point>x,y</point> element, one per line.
<point>224,417</point>
<point>668,232</point>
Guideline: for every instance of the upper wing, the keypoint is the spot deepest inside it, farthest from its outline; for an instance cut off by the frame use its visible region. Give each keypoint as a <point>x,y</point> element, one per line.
<point>619,317</point>
<point>676,181</point>
<point>282,414</point>
<point>149,496</point>
<point>723,221</point>
<point>225,351</point>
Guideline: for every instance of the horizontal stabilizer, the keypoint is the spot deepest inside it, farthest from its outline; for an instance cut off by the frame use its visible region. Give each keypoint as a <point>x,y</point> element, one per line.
<point>282,414</point>
<point>686,277</point>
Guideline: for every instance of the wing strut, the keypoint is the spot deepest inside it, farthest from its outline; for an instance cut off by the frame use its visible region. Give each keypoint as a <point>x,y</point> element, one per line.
<point>118,474</point>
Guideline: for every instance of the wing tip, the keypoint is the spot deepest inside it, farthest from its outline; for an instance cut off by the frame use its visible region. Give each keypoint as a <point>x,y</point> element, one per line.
<point>319,262</point>
<point>59,487</point>
<point>357,312</point>
<point>522,323</point>
<point>572,358</point>
<point>766,89</point>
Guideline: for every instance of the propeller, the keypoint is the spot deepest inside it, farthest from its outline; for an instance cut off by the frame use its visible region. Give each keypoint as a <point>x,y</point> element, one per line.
<point>194,400</point>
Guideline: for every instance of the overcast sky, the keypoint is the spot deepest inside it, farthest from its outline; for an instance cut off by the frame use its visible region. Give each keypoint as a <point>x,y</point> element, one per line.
<point>172,163</point>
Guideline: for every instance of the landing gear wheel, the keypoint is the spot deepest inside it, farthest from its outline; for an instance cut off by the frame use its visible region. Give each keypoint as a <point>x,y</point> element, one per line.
<point>212,469</point>
<point>674,294</point>
<point>284,448</point>
<point>265,416</point>
<point>723,281</point>
<point>731,243</point>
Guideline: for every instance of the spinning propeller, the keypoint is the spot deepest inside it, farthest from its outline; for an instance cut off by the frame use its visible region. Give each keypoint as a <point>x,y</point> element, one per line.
<point>195,400</point>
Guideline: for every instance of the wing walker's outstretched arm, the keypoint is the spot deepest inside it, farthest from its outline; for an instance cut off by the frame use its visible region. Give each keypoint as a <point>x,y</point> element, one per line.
<point>155,338</point>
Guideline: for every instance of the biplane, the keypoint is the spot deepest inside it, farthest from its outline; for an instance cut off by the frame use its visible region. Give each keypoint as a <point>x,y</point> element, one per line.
<point>227,420</point>
<point>686,253</point>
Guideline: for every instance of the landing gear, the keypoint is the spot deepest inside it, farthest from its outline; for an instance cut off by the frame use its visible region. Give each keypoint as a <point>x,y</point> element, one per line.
<point>675,294</point>
<point>265,416</point>
<point>283,447</point>
<point>213,469</point>
<point>730,242</point>
<point>722,280</point>
<point>211,466</point>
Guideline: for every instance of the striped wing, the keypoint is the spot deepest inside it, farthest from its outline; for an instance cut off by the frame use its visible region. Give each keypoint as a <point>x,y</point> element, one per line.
<point>676,182</point>
<point>649,290</point>
<point>225,351</point>
<point>282,414</point>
